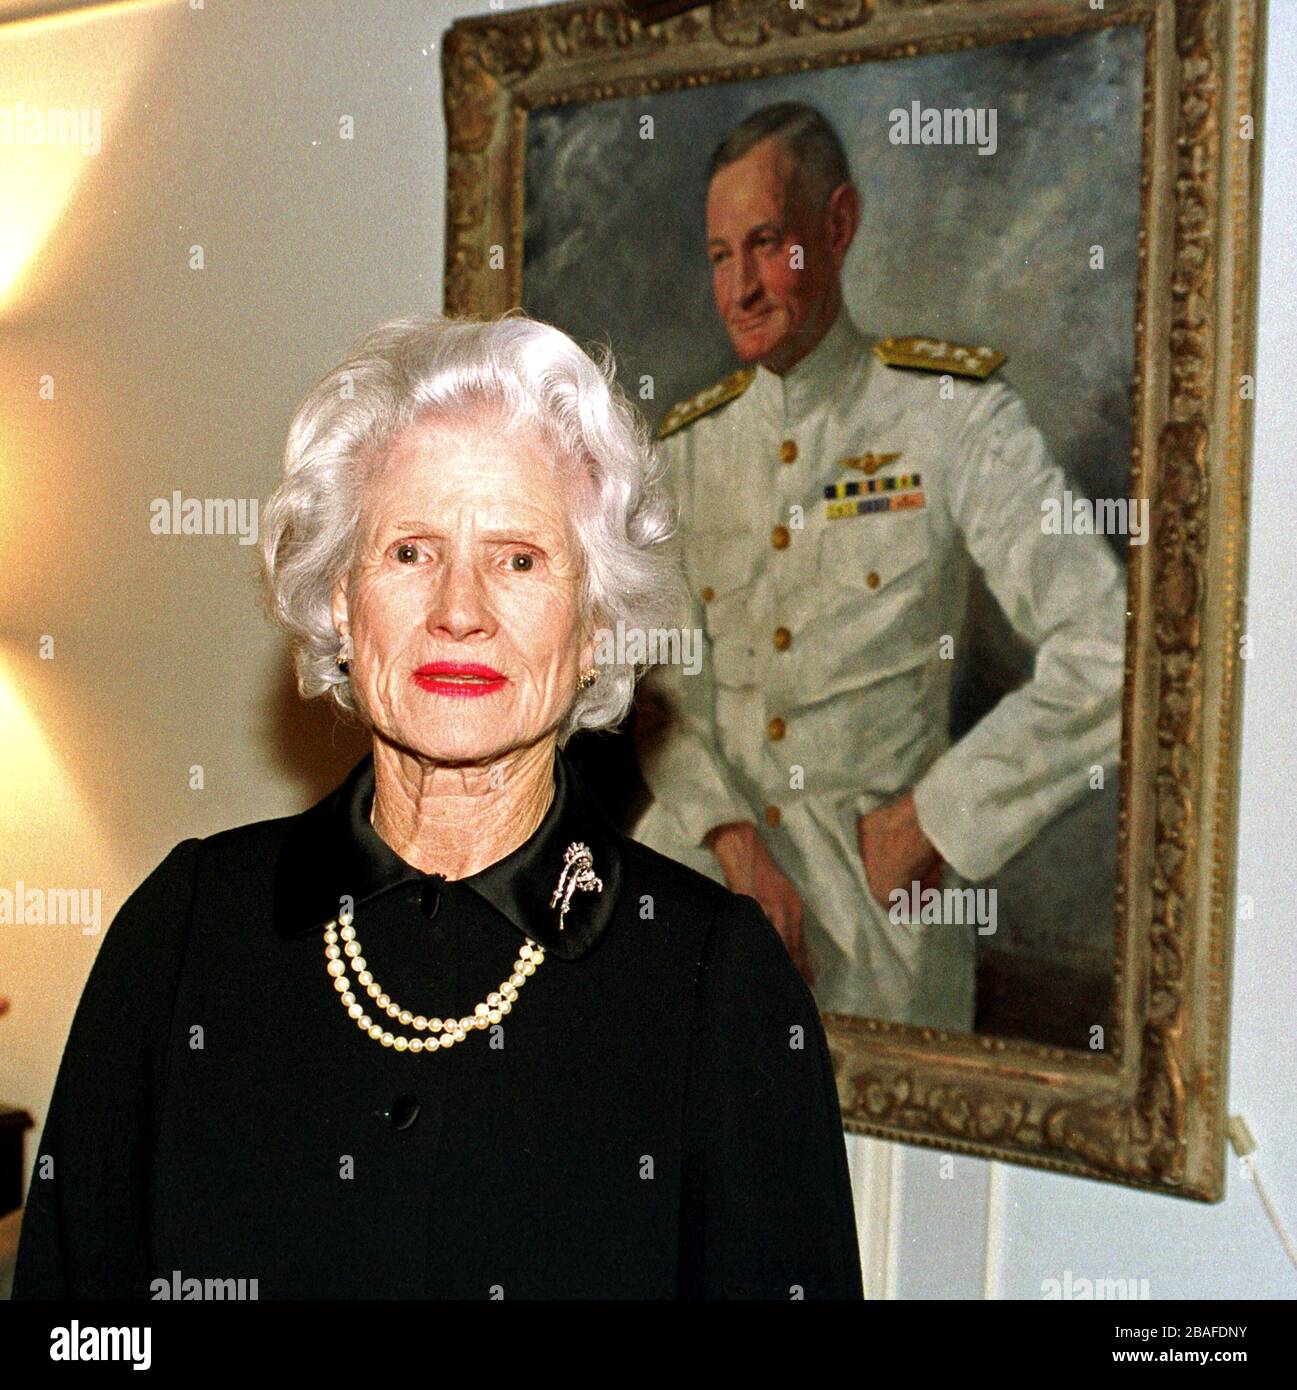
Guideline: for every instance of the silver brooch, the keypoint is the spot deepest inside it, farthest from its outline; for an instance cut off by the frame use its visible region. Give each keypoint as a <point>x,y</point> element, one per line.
<point>578,872</point>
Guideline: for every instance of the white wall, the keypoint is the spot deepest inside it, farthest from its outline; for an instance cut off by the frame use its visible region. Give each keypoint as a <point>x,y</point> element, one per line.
<point>221,128</point>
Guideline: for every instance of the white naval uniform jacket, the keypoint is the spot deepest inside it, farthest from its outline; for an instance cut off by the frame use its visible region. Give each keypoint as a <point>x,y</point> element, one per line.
<point>824,691</point>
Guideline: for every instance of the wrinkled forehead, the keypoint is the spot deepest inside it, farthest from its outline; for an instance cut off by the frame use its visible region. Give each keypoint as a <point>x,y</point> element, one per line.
<point>758,186</point>
<point>481,461</point>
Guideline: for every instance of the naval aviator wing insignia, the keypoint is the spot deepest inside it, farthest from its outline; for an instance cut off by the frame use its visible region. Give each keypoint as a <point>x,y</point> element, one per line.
<point>869,463</point>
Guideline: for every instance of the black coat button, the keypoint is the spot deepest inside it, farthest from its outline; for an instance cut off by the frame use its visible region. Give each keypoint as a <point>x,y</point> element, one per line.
<point>403,1112</point>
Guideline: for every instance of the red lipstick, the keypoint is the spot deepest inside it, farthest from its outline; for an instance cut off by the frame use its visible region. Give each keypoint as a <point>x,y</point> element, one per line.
<point>463,679</point>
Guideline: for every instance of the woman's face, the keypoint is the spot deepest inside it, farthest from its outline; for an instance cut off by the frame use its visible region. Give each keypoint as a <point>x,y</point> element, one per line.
<point>463,598</point>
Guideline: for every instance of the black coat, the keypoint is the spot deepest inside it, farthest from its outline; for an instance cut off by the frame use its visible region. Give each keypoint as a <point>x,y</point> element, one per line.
<point>655,1118</point>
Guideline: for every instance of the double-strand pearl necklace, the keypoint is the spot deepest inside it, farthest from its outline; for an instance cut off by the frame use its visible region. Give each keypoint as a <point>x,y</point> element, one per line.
<point>443,1032</point>
<point>577,875</point>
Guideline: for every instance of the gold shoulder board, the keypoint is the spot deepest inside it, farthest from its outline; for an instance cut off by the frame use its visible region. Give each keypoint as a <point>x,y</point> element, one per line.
<point>937,355</point>
<point>686,412</point>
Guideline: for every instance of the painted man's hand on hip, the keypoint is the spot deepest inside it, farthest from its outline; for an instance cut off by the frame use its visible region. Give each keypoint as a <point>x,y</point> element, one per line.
<point>894,850</point>
<point>749,868</point>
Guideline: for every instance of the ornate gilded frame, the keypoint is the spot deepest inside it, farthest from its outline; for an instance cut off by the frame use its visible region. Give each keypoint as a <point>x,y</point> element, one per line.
<point>1149,1111</point>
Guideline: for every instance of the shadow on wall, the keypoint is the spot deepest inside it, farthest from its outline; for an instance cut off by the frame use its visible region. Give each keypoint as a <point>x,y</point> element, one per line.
<point>309,742</point>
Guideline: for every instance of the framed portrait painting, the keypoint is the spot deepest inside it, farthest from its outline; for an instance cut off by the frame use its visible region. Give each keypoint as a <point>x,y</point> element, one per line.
<point>942,314</point>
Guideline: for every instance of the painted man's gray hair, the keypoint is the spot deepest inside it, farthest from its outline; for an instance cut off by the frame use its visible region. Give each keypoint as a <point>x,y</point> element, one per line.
<point>524,373</point>
<point>804,132</point>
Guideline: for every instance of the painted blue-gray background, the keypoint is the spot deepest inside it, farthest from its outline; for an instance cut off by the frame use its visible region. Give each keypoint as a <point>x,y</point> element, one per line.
<point>980,249</point>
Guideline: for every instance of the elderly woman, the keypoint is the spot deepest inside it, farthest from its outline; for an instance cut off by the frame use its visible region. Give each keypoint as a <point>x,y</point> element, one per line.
<point>559,1065</point>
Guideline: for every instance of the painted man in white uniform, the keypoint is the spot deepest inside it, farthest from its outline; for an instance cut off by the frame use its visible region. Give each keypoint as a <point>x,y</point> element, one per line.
<point>832,506</point>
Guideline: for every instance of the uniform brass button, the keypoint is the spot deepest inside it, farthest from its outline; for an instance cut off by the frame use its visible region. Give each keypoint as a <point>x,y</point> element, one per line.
<point>776,728</point>
<point>772,816</point>
<point>788,451</point>
<point>708,593</point>
<point>872,579</point>
<point>782,639</point>
<point>779,538</point>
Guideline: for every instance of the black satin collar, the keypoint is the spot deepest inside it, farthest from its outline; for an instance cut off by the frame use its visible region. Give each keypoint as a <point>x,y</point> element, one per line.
<point>332,850</point>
